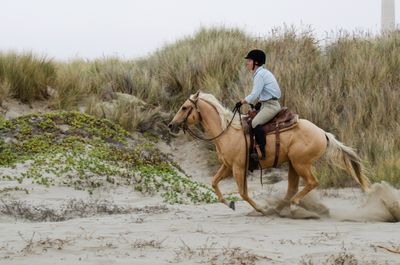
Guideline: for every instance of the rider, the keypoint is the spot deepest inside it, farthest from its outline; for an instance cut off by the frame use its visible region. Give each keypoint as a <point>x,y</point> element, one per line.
<point>266,90</point>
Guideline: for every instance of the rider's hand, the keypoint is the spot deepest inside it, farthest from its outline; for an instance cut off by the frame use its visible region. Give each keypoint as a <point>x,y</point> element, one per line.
<point>238,104</point>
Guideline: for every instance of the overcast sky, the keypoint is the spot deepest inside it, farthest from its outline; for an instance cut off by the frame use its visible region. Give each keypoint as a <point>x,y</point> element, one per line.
<point>66,29</point>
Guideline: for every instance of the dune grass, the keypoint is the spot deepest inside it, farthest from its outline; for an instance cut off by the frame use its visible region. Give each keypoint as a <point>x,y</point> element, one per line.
<point>26,75</point>
<point>348,85</point>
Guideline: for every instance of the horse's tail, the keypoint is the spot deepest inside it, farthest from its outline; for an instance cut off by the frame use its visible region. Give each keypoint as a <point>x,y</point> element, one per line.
<point>347,159</point>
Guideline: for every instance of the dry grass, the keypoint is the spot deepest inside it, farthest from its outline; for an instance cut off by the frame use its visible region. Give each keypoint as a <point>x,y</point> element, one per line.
<point>210,253</point>
<point>5,90</point>
<point>348,86</point>
<point>342,258</point>
<point>72,86</point>
<point>144,243</point>
<point>69,210</point>
<point>130,114</point>
<point>26,76</point>
<point>40,246</point>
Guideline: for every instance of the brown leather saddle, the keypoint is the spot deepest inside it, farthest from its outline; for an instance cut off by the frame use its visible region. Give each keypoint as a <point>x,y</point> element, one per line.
<point>284,120</point>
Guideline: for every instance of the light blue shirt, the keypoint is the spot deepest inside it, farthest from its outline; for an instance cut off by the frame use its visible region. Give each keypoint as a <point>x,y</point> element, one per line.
<point>265,86</point>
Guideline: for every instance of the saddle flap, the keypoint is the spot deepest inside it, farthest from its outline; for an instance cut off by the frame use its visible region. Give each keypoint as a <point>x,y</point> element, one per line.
<point>285,118</point>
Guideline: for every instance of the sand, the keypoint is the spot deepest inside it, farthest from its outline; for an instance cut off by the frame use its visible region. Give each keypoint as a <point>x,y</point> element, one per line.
<point>60,225</point>
<point>150,232</point>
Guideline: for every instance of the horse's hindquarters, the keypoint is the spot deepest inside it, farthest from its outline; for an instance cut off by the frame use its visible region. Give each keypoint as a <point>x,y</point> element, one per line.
<point>304,143</point>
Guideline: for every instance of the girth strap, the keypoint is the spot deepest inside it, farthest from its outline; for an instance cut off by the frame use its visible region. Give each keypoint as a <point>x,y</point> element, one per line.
<point>277,146</point>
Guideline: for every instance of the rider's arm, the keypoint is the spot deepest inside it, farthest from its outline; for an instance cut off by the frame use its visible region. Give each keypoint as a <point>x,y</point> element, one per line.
<point>258,84</point>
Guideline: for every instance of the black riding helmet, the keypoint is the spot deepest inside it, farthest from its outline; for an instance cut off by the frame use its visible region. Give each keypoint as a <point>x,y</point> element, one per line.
<point>258,56</point>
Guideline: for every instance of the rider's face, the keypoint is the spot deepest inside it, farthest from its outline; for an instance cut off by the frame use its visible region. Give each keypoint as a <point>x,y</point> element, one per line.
<point>249,64</point>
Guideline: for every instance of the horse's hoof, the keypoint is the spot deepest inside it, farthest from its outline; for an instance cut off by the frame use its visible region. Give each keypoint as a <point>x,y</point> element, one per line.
<point>298,212</point>
<point>294,207</point>
<point>232,205</point>
<point>282,204</point>
<point>269,212</point>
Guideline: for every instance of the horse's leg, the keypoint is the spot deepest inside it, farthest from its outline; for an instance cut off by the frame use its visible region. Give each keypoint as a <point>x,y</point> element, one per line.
<point>239,174</point>
<point>293,187</point>
<point>222,172</point>
<point>310,181</point>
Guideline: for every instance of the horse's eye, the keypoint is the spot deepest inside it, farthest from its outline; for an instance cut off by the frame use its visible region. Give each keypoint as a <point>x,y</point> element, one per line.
<point>184,108</point>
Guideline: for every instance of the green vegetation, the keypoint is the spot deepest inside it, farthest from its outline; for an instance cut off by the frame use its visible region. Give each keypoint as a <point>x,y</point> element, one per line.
<point>77,150</point>
<point>349,85</point>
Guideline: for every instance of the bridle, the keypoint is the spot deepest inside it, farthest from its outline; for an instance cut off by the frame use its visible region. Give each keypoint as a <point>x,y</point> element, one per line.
<point>185,126</point>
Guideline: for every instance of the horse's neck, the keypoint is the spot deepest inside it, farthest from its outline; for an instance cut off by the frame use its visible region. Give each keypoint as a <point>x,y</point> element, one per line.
<point>211,121</point>
<point>210,118</point>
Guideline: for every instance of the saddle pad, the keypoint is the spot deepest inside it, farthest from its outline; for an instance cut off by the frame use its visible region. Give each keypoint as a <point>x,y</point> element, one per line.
<point>284,126</point>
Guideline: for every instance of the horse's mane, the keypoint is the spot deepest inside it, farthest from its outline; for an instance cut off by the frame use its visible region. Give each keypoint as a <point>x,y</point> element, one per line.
<point>224,113</point>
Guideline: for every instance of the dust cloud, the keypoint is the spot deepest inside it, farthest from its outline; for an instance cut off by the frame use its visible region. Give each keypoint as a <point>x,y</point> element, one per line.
<point>381,203</point>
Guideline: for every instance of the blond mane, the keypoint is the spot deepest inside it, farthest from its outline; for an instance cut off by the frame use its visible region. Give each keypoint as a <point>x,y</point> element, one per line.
<point>224,113</point>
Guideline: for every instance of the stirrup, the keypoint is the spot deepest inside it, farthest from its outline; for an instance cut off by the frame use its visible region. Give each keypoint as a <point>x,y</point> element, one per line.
<point>254,156</point>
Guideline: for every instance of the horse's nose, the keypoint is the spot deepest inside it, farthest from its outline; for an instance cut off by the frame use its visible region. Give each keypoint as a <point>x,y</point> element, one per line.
<point>173,127</point>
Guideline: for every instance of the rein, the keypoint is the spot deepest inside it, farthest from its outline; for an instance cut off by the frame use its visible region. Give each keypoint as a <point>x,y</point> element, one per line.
<point>185,127</point>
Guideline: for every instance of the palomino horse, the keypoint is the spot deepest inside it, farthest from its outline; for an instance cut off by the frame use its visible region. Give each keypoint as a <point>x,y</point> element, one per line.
<point>300,147</point>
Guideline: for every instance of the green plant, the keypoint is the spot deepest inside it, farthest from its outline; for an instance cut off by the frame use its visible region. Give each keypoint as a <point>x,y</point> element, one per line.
<point>92,153</point>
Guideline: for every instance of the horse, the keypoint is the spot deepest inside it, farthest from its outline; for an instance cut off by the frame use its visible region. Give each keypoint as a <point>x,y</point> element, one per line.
<point>300,147</point>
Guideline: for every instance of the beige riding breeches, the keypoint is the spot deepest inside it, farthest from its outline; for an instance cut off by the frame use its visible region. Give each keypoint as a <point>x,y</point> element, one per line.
<point>267,111</point>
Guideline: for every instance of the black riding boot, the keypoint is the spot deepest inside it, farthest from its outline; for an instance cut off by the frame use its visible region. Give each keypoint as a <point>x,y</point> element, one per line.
<point>260,139</point>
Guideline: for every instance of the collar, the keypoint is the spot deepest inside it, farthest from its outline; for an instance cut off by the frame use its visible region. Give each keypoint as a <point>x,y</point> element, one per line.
<point>258,70</point>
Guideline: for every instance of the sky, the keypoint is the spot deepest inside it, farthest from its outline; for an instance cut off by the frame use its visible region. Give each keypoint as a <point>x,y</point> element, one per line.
<point>68,29</point>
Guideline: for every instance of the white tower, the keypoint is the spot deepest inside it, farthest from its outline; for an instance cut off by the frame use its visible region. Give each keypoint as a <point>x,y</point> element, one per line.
<point>388,16</point>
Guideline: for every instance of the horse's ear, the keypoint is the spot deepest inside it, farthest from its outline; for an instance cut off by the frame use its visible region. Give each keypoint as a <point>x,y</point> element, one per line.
<point>195,96</point>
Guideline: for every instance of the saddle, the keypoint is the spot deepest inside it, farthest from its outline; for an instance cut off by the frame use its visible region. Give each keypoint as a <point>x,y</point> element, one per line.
<point>284,120</point>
